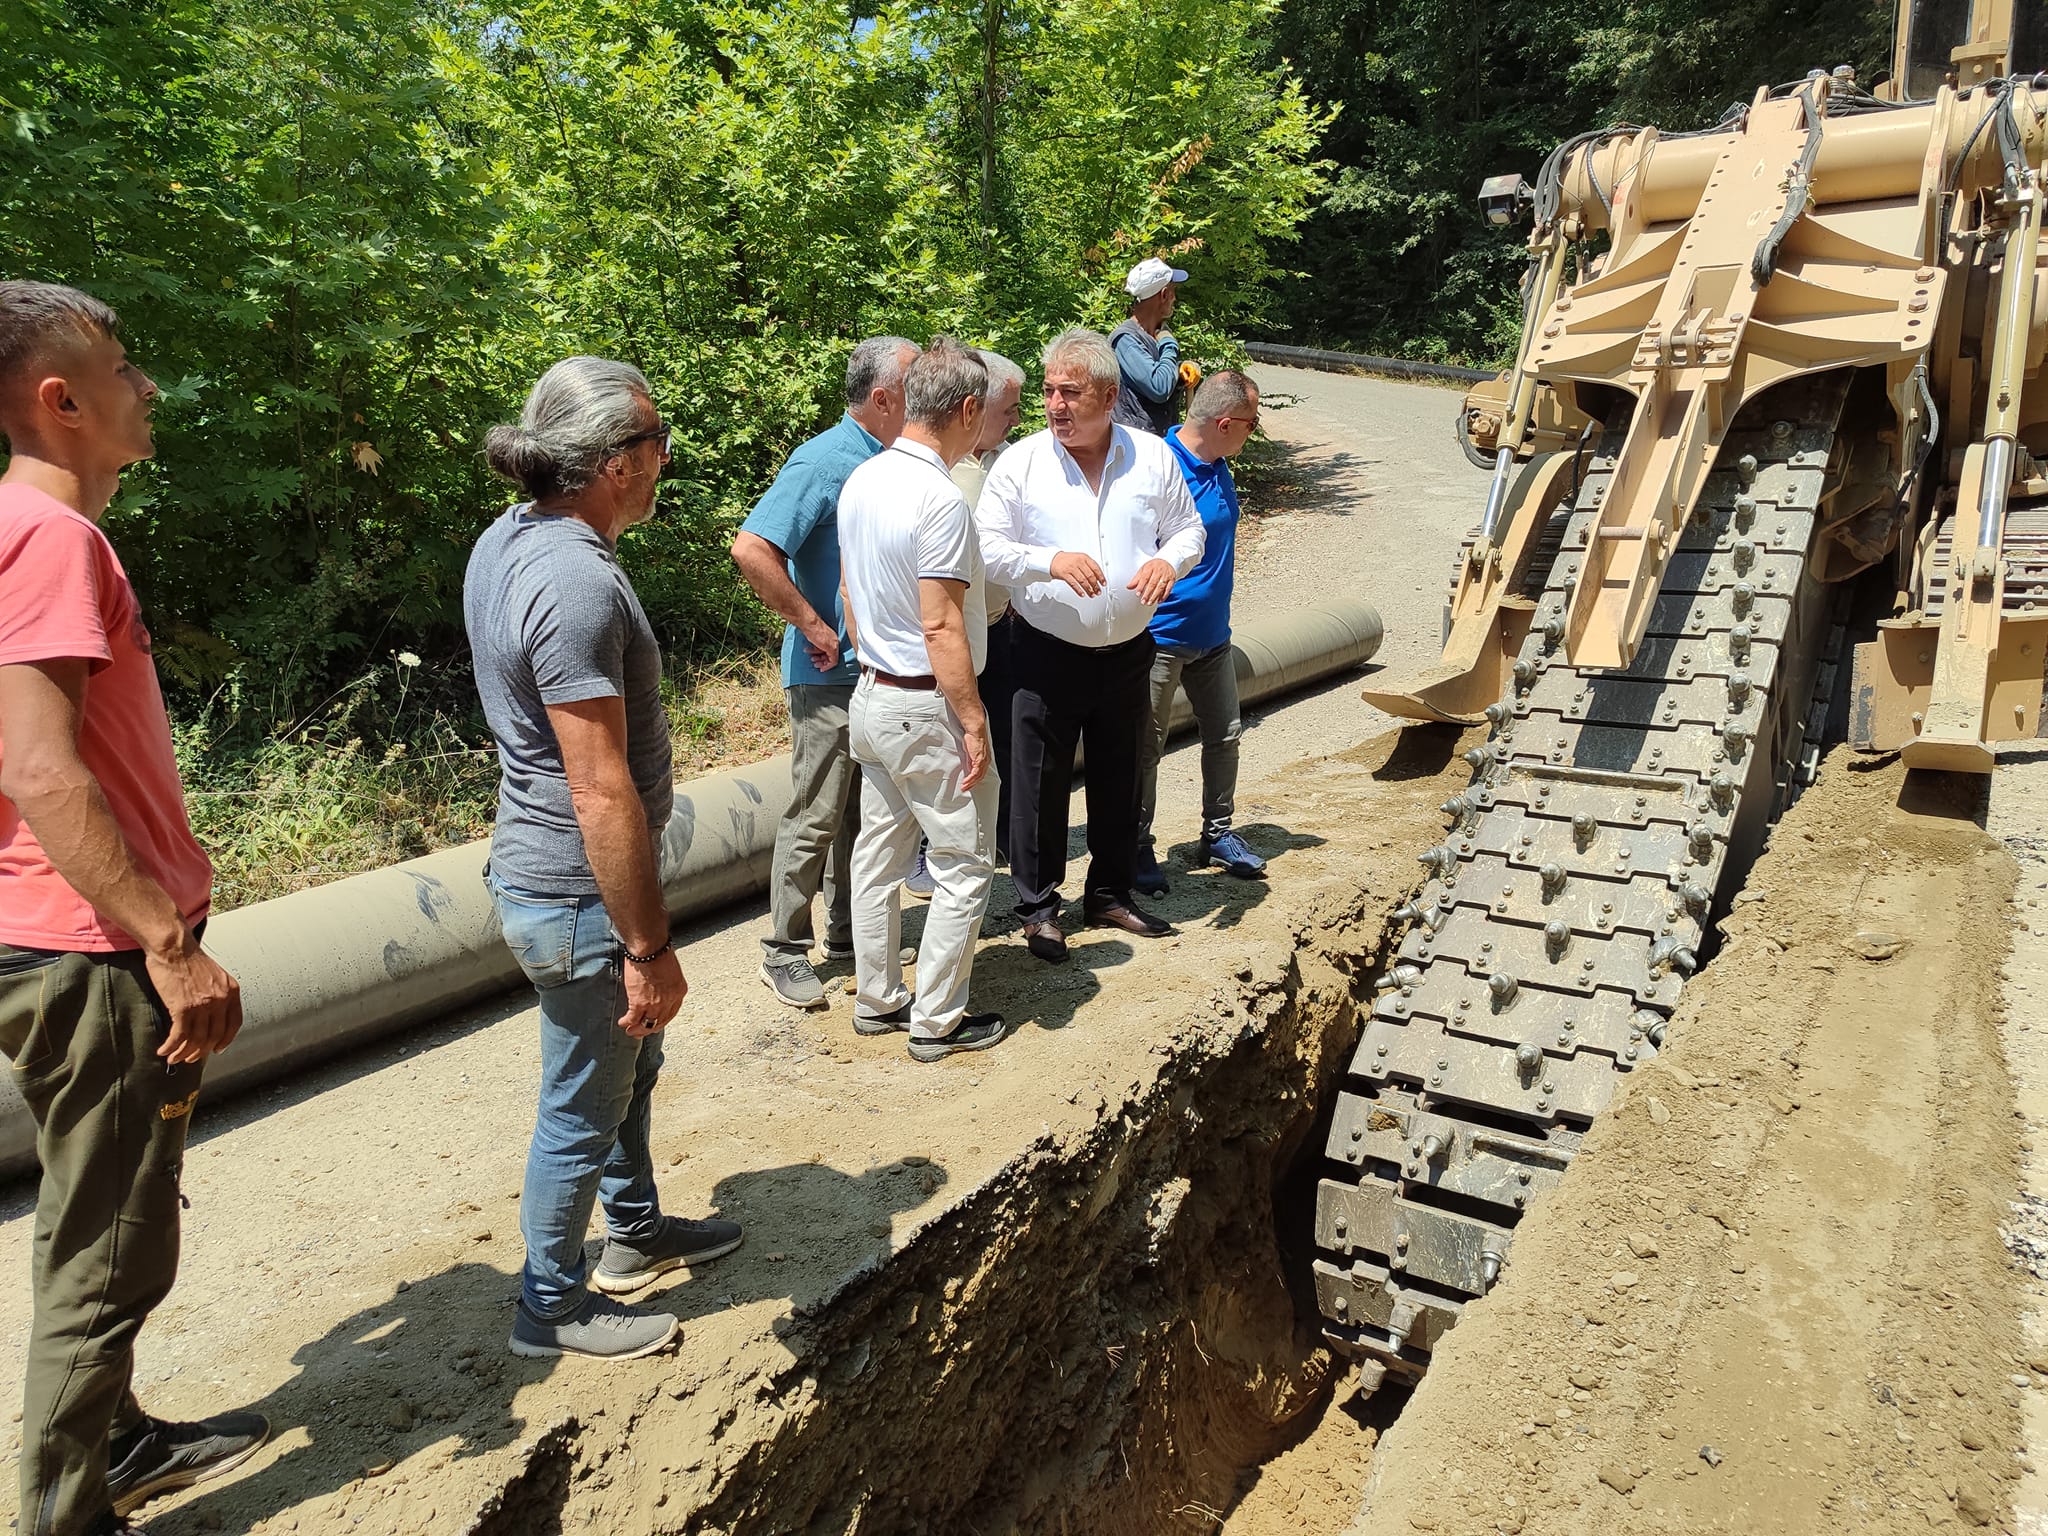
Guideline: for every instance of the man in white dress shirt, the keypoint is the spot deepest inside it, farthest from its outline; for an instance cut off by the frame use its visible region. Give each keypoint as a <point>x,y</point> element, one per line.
<point>917,613</point>
<point>1088,525</point>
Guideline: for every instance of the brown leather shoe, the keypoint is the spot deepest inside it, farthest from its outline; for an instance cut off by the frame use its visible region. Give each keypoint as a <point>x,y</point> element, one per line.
<point>1130,917</point>
<point>1045,940</point>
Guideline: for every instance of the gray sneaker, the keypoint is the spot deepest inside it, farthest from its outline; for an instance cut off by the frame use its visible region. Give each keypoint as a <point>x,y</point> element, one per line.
<point>794,982</point>
<point>919,882</point>
<point>601,1329</point>
<point>158,1457</point>
<point>626,1267</point>
<point>881,1023</point>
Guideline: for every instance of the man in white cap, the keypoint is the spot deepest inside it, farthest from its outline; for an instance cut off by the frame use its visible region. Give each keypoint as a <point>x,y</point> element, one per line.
<point>1147,356</point>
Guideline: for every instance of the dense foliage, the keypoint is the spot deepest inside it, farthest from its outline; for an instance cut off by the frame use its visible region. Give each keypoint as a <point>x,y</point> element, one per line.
<point>1437,95</point>
<point>345,234</point>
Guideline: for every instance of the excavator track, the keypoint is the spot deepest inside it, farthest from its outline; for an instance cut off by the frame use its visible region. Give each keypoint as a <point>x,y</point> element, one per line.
<point>2025,550</point>
<point>1571,896</point>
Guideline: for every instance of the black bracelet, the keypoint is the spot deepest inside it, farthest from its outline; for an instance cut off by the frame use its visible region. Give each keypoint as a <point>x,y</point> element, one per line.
<point>650,958</point>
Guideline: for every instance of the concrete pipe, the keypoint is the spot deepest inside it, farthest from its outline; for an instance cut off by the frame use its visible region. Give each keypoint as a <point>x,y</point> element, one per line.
<point>341,965</point>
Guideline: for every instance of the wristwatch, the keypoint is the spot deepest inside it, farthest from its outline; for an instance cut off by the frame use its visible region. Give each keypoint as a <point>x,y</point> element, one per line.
<point>650,957</point>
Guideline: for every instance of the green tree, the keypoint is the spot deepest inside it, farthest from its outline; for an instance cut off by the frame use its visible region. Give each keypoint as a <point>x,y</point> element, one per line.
<point>1084,135</point>
<point>346,234</point>
<point>309,268</point>
<point>1437,95</point>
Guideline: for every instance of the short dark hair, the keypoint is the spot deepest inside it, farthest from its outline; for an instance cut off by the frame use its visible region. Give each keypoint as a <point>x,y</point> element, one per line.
<point>34,317</point>
<point>941,380</point>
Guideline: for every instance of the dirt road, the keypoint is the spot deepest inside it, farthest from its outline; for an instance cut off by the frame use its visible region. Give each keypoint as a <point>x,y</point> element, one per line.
<point>352,1243</point>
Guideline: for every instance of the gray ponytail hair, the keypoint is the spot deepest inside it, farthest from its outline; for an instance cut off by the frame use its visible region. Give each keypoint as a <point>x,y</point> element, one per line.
<point>575,419</point>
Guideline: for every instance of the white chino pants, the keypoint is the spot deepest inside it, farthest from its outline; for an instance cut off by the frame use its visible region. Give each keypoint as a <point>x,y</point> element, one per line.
<point>911,752</point>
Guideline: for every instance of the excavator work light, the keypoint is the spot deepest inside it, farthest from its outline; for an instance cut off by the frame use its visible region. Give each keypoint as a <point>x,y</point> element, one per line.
<point>1504,199</point>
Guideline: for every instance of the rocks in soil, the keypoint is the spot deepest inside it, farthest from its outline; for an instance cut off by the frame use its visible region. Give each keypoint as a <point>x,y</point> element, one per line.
<point>1620,1479</point>
<point>1710,1456</point>
<point>1875,944</point>
<point>1975,1501</point>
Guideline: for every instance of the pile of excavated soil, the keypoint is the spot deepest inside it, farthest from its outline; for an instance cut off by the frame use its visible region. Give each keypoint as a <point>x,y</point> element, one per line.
<point>1771,1295</point>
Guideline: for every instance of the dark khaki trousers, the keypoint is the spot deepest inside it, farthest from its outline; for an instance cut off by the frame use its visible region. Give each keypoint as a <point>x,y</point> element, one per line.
<point>82,1031</point>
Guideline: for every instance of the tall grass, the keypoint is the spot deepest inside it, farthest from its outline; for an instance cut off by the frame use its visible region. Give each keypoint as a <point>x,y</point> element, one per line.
<point>380,774</point>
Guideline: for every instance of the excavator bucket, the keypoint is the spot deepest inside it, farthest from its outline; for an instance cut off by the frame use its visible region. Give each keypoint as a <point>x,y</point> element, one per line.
<point>1490,611</point>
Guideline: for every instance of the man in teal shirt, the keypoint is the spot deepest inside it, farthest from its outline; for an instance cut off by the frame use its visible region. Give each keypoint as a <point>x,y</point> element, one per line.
<point>788,550</point>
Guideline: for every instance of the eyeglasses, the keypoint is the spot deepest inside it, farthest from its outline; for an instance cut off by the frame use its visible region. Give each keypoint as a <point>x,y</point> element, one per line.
<point>1251,422</point>
<point>661,432</point>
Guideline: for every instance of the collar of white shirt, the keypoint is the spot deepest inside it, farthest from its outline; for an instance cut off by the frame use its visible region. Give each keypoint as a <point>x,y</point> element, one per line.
<point>922,451</point>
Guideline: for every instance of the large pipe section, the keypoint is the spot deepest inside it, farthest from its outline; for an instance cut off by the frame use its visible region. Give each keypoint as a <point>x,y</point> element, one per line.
<point>1862,158</point>
<point>339,966</point>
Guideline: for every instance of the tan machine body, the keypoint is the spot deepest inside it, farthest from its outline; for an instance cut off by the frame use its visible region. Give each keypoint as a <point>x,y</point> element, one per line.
<point>1802,239</point>
<point>1780,381</point>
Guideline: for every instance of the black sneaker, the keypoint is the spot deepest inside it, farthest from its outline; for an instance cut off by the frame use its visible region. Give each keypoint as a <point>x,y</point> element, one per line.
<point>976,1032</point>
<point>158,1457</point>
<point>626,1267</point>
<point>1148,880</point>
<point>881,1023</point>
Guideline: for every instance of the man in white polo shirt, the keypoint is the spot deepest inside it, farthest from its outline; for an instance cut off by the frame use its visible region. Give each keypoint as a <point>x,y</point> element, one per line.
<point>917,614</point>
<point>1088,524</point>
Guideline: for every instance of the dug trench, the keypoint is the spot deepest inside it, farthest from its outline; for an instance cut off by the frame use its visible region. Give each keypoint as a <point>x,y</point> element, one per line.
<point>1099,1337</point>
<point>1770,1297</point>
<point>1782,1244</point>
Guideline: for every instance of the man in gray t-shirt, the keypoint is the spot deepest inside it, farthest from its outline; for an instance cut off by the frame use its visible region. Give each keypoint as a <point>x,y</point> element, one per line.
<point>570,679</point>
<point>553,620</point>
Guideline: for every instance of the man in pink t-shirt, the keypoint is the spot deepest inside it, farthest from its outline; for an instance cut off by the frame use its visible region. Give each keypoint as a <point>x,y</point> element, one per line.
<point>108,1005</point>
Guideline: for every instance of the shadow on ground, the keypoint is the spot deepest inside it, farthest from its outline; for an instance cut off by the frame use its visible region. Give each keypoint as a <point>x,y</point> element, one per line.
<point>428,1368</point>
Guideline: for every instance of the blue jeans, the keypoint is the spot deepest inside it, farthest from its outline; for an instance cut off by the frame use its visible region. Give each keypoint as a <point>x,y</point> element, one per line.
<point>596,1092</point>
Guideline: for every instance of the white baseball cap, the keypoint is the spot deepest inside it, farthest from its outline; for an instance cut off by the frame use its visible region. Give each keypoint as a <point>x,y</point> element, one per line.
<point>1150,276</point>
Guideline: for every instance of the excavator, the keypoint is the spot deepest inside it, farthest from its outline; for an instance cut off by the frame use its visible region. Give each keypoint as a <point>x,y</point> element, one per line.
<point>1773,458</point>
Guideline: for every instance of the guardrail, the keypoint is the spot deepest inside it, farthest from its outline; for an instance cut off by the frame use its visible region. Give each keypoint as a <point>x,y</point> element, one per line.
<point>1361,362</point>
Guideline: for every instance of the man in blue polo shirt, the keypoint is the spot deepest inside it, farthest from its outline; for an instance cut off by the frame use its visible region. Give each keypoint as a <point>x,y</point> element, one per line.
<point>788,550</point>
<point>1192,632</point>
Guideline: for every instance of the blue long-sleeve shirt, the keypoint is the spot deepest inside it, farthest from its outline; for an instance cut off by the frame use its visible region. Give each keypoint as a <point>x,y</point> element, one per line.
<point>1196,614</point>
<point>1153,377</point>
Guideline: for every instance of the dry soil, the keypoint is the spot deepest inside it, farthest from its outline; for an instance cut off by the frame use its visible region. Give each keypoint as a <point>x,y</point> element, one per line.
<point>1791,1285</point>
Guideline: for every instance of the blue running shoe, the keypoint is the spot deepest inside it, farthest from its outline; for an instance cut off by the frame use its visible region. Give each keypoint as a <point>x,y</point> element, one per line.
<point>1237,859</point>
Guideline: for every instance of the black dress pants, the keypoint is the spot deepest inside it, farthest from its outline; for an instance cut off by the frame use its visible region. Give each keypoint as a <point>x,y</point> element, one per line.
<point>1068,695</point>
<point>998,686</point>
